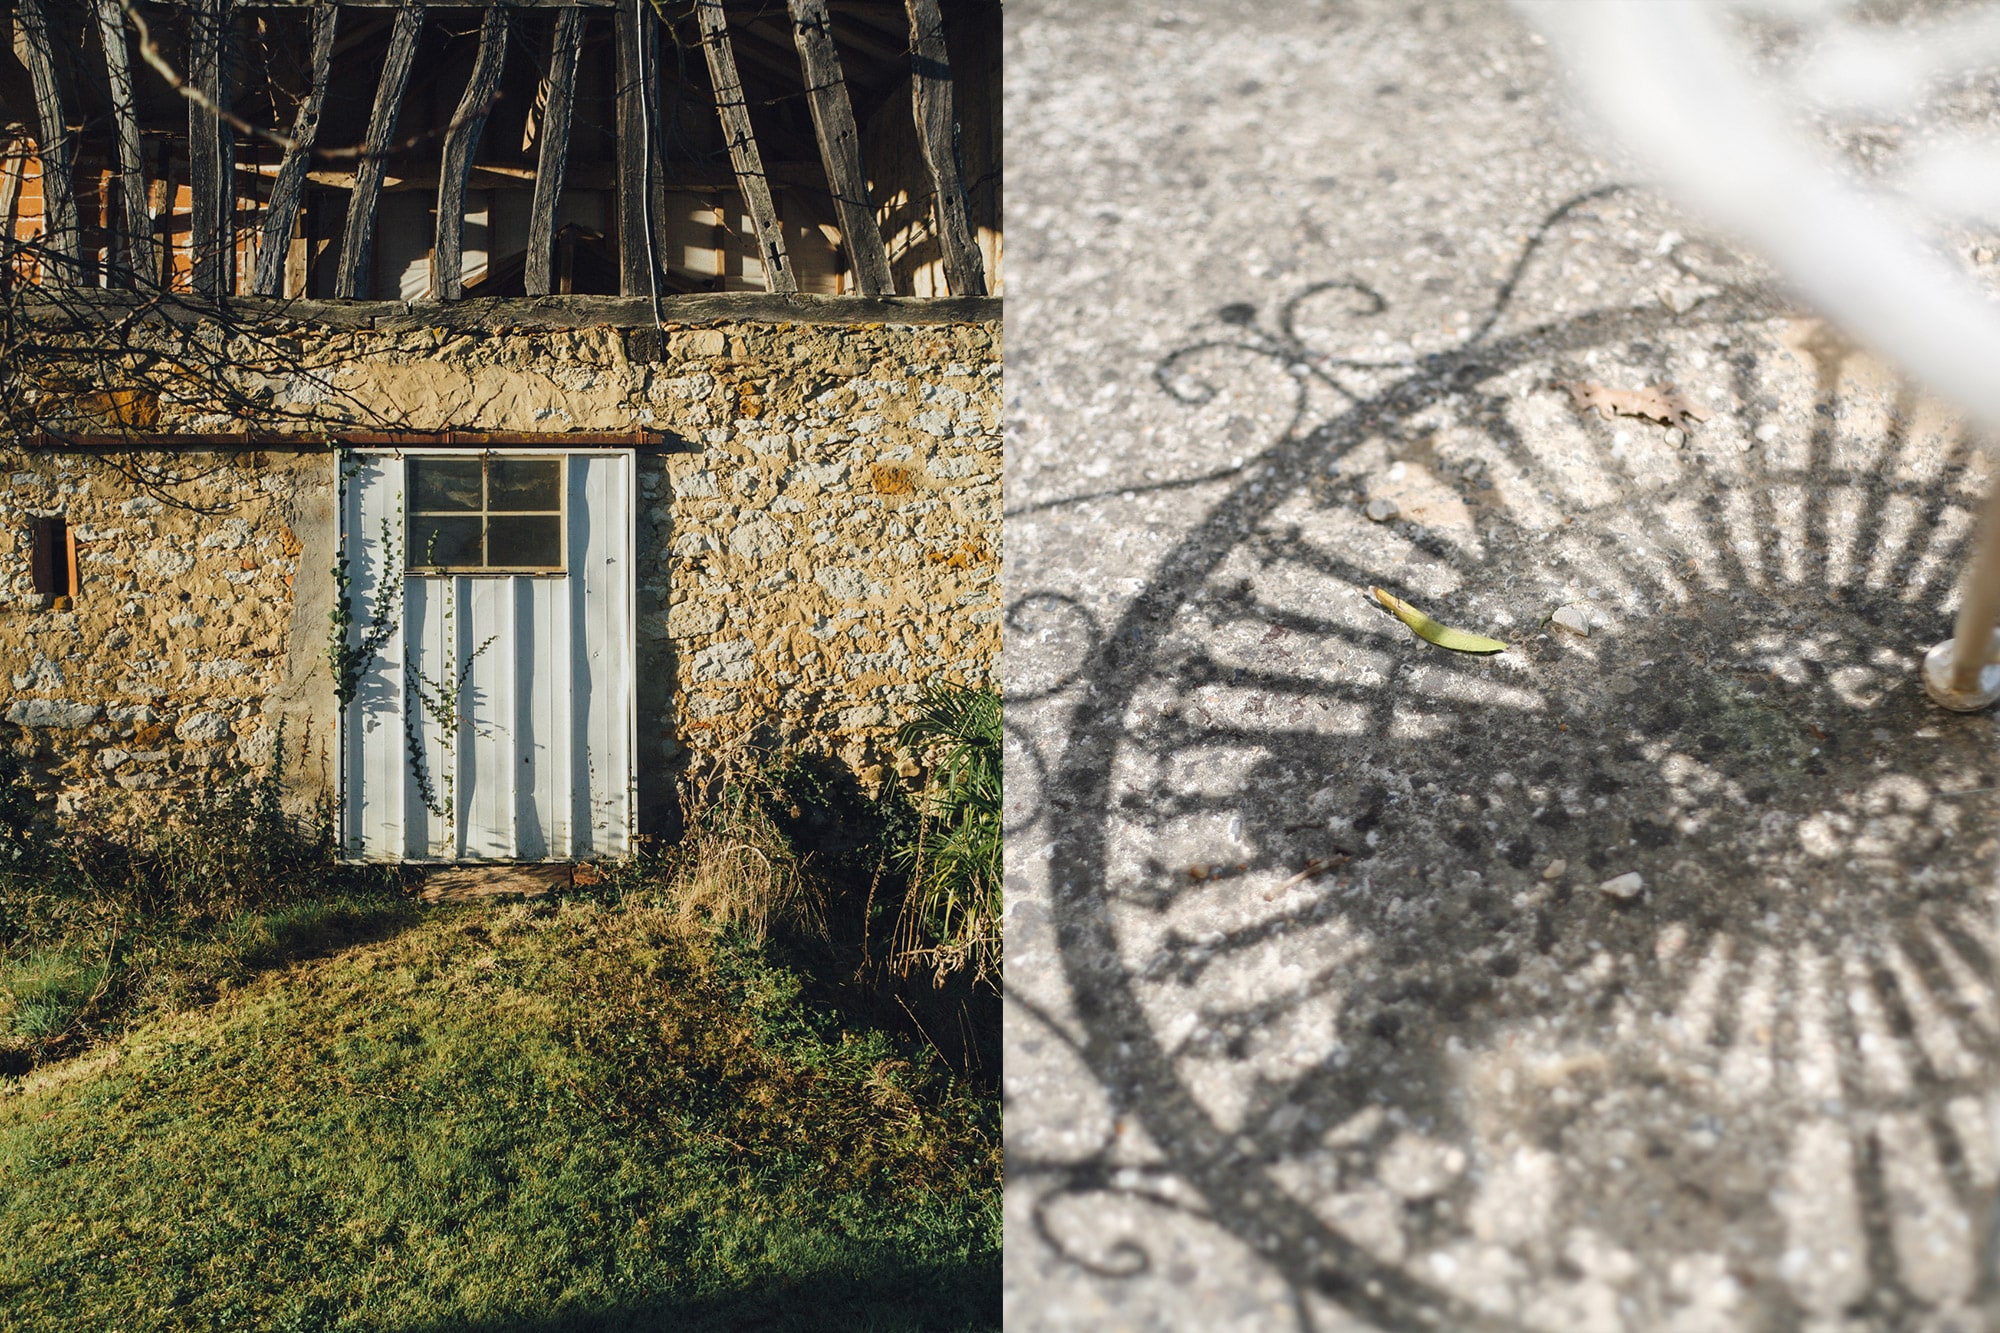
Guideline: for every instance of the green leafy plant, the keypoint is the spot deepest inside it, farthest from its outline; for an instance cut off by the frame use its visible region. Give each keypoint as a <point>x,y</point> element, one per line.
<point>350,661</point>
<point>951,917</point>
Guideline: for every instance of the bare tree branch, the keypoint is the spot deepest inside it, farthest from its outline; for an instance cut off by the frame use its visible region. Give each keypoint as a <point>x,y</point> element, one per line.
<point>149,51</point>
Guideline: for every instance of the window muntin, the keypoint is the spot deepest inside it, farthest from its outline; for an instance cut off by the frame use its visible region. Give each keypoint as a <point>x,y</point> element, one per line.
<point>496,513</point>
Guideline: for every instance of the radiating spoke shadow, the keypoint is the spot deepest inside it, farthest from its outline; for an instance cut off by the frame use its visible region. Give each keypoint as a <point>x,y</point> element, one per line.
<point>1347,922</point>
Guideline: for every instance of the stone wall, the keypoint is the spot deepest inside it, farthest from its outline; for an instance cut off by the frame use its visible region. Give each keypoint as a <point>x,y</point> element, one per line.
<point>176,655</point>
<point>817,539</point>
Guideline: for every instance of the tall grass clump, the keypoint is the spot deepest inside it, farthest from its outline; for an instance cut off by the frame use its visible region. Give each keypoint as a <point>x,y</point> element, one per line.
<point>46,994</point>
<point>734,865</point>
<point>950,920</point>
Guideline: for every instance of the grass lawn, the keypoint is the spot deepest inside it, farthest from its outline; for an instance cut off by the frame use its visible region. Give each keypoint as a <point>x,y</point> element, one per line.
<point>564,1116</point>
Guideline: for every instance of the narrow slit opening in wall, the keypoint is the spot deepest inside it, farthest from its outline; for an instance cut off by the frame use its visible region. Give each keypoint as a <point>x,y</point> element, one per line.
<point>52,560</point>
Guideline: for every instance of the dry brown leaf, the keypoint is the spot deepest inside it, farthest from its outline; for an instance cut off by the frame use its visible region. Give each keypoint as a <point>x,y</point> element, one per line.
<point>1661,405</point>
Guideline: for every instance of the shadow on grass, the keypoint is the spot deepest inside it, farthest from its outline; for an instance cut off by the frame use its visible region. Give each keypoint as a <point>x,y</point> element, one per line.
<point>60,1000</point>
<point>845,839</point>
<point>934,1298</point>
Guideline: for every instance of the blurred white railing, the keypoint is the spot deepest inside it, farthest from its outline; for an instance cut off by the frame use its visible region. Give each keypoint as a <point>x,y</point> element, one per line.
<point>1737,107</point>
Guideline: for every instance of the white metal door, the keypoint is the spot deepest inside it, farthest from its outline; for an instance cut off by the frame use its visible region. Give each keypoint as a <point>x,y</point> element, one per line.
<point>491,716</point>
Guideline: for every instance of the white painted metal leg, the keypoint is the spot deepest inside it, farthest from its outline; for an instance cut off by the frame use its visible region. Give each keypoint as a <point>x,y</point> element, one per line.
<point>1963,672</point>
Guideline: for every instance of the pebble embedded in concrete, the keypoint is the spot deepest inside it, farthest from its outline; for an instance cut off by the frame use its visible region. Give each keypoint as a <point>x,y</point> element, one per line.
<point>1573,618</point>
<point>1415,1167</point>
<point>1680,300</point>
<point>1624,887</point>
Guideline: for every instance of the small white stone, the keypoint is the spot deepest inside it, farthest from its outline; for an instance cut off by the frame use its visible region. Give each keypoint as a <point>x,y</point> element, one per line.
<point>1383,509</point>
<point>1573,618</point>
<point>1554,869</point>
<point>1680,300</point>
<point>1625,887</point>
<point>1415,1167</point>
<point>1356,1129</point>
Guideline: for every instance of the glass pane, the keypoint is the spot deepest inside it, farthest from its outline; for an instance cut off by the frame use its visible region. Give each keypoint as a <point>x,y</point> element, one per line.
<point>443,543</point>
<point>450,484</point>
<point>524,483</point>
<point>524,543</point>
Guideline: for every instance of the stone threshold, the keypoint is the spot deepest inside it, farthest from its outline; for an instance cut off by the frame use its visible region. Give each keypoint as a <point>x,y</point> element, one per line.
<point>488,881</point>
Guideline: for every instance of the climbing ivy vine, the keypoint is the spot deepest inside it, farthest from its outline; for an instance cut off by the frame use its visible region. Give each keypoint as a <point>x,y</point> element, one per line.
<point>351,657</point>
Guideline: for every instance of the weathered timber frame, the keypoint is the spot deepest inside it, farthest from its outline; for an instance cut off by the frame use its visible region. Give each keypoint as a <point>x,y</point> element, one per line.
<point>282,213</point>
<point>937,133</point>
<point>135,242</point>
<point>552,153</point>
<point>58,149</point>
<point>358,240</point>
<point>143,235</point>
<point>744,158</point>
<point>468,123</point>
<point>13,170</point>
<point>639,170</point>
<point>840,146</point>
<point>211,164</point>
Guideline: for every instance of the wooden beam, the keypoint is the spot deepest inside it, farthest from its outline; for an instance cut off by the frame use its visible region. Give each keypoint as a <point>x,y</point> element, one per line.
<point>351,282</point>
<point>63,238</point>
<point>638,148</point>
<point>136,239</point>
<point>553,151</point>
<point>937,134</point>
<point>213,235</point>
<point>13,170</point>
<point>748,163</point>
<point>840,146</point>
<point>160,207</point>
<point>94,308</point>
<point>435,4</point>
<point>281,215</point>
<point>461,142</point>
<point>404,174</point>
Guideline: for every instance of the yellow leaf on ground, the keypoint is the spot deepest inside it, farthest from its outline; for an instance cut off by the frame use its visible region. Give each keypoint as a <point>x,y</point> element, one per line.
<point>1444,636</point>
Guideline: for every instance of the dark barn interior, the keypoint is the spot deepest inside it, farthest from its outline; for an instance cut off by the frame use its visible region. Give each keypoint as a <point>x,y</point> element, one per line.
<point>576,147</point>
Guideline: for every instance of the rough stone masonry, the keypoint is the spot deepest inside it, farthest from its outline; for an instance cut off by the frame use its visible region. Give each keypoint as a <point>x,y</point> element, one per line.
<point>817,539</point>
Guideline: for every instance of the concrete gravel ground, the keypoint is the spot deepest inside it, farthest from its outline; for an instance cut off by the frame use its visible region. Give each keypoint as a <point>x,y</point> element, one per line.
<point>1334,1001</point>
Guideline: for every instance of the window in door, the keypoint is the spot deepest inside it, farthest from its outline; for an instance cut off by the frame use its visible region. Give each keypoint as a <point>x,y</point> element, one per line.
<point>490,514</point>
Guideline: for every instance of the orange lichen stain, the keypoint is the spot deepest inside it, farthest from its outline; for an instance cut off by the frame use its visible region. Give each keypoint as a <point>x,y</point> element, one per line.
<point>891,479</point>
<point>135,409</point>
<point>966,556</point>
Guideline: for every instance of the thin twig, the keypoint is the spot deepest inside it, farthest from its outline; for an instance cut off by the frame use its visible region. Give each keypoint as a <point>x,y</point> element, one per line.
<point>149,51</point>
<point>920,1027</point>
